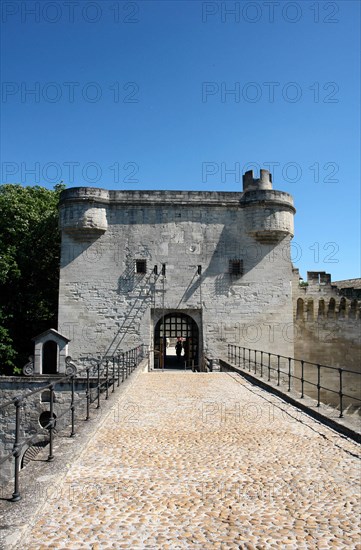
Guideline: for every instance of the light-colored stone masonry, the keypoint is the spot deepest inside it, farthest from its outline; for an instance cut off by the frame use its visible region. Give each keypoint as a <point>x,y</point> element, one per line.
<point>327,321</point>
<point>105,306</point>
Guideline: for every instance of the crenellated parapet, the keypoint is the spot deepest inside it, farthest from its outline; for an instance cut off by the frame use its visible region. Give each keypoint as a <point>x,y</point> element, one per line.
<point>268,213</point>
<point>320,298</point>
<point>264,182</point>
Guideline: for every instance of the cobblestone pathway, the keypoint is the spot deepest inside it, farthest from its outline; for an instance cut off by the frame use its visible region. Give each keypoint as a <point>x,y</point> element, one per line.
<point>205,461</point>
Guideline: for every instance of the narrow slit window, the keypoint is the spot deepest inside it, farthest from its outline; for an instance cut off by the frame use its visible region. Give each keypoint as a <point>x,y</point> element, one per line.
<point>141,266</point>
<point>235,267</point>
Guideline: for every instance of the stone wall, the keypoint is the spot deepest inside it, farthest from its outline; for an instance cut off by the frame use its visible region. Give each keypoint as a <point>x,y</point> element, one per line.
<point>327,324</point>
<point>106,306</point>
<point>30,412</point>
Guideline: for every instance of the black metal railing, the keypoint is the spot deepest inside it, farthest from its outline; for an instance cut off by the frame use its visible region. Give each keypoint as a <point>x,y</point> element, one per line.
<point>297,374</point>
<point>100,378</point>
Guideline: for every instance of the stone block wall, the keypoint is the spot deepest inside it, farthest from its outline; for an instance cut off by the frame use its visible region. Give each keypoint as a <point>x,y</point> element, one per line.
<point>327,324</point>
<point>106,306</point>
<point>30,411</point>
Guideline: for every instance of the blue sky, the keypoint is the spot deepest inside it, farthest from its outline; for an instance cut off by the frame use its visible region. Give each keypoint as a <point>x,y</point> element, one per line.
<point>187,95</point>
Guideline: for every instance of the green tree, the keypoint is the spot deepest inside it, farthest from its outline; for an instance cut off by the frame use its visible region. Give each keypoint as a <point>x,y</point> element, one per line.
<point>29,269</point>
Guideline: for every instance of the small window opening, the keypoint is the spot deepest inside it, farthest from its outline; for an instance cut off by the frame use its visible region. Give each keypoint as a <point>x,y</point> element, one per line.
<point>235,267</point>
<point>141,266</point>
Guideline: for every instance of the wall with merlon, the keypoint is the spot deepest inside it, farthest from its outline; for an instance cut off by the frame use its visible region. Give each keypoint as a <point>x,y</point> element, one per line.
<point>327,324</point>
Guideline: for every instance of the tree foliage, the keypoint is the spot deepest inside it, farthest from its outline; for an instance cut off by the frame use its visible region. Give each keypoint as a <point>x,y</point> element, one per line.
<point>29,269</point>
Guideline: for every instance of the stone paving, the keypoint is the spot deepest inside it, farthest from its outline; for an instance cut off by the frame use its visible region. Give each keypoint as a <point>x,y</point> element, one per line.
<point>205,461</point>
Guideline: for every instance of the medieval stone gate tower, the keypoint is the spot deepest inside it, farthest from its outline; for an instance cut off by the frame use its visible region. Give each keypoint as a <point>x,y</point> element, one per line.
<point>212,267</point>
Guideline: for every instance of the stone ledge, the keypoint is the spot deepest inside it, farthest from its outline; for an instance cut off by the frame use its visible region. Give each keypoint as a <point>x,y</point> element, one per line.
<point>189,198</point>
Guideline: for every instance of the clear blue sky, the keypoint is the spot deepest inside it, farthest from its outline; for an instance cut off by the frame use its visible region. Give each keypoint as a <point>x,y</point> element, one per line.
<point>138,95</point>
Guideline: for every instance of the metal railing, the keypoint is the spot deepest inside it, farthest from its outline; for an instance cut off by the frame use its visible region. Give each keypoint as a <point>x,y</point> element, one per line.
<point>281,369</point>
<point>105,374</point>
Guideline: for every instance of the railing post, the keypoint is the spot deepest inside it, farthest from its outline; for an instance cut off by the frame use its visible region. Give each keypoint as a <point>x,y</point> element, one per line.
<point>255,361</point>
<point>302,378</point>
<point>16,451</point>
<point>340,393</point>
<point>318,384</point>
<point>261,364</point>
<point>106,379</point>
<point>278,370</point>
<point>289,374</point>
<point>239,357</point>
<point>249,360</point>
<point>98,393</point>
<point>72,407</point>
<point>229,352</point>
<point>51,424</point>
<point>123,374</point>
<point>269,367</point>
<point>113,374</point>
<point>118,372</point>
<point>244,358</point>
<point>87,394</point>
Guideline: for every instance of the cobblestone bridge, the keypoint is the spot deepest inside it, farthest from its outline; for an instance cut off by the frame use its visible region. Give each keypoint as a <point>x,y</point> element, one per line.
<point>188,460</point>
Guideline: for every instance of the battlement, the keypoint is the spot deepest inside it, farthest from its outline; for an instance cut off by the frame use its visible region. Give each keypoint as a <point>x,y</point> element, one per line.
<point>250,183</point>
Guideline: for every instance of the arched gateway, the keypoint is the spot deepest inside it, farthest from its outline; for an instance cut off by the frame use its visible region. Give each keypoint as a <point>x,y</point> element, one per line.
<point>171,328</point>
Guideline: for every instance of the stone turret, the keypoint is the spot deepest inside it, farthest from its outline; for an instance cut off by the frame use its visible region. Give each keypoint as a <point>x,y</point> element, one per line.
<point>253,184</point>
<point>83,212</point>
<point>268,213</point>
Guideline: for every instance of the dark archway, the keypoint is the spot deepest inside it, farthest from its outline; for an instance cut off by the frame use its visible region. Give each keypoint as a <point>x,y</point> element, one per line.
<point>169,329</point>
<point>50,357</point>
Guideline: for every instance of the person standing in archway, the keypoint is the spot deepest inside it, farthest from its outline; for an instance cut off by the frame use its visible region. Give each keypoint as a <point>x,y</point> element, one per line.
<point>178,348</point>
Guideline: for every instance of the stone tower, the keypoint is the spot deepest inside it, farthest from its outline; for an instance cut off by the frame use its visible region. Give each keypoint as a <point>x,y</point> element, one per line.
<point>142,266</point>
